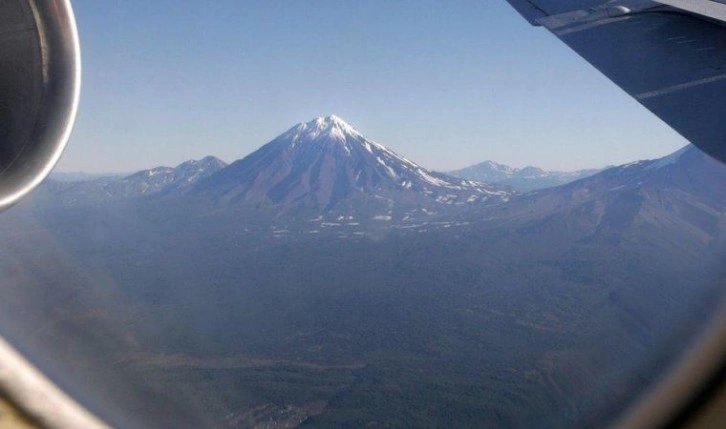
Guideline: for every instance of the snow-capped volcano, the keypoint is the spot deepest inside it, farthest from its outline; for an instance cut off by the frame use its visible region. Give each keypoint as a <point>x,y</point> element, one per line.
<point>325,161</point>
<point>333,134</point>
<point>330,127</point>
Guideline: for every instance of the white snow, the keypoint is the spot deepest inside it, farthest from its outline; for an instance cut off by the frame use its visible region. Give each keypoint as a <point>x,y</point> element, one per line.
<point>431,179</point>
<point>390,171</point>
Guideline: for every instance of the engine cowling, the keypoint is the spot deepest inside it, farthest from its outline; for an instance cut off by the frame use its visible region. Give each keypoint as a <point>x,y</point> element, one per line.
<point>40,77</point>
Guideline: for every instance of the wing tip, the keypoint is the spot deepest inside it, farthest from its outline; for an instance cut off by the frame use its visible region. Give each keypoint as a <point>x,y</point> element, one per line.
<point>528,10</point>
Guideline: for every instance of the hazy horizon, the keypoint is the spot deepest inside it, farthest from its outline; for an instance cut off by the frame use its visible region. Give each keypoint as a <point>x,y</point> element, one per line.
<point>446,85</point>
<point>229,161</point>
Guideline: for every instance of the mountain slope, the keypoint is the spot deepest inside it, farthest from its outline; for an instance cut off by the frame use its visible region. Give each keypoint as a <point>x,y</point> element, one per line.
<point>522,179</point>
<point>154,181</point>
<point>165,179</point>
<point>326,164</point>
<point>678,200</point>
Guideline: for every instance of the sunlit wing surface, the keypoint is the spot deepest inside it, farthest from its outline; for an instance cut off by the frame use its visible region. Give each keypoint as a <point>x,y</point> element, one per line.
<point>670,55</point>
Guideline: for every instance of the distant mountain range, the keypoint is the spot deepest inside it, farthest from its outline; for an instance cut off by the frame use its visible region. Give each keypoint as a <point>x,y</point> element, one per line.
<point>326,168</point>
<point>325,281</point>
<point>521,179</point>
<point>79,176</point>
<point>155,181</point>
<point>168,179</point>
<point>326,164</point>
<point>322,165</point>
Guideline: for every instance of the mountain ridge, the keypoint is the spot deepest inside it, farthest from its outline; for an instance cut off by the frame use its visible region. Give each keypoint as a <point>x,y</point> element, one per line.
<point>325,166</point>
<point>326,163</point>
<point>525,179</point>
<point>153,181</point>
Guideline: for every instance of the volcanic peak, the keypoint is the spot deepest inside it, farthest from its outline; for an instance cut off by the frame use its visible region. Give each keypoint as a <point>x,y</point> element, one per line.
<point>322,128</point>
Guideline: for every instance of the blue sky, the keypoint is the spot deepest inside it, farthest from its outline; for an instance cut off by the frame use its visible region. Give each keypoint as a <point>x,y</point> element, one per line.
<point>445,83</point>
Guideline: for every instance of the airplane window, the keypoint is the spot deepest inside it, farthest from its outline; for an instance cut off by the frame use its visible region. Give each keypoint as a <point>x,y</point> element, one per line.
<point>357,214</point>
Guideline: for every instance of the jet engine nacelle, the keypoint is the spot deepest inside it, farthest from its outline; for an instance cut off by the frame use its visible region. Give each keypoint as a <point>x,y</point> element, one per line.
<point>40,76</point>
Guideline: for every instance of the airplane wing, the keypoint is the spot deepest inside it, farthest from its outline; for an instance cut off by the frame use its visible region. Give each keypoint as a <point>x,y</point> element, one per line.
<point>670,55</point>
